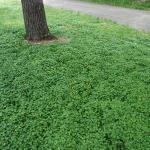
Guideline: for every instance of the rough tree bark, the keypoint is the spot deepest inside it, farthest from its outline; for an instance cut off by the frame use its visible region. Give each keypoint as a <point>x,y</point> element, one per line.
<point>35,20</point>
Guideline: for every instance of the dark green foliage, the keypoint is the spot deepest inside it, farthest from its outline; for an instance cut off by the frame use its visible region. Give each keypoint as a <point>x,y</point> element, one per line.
<point>90,94</point>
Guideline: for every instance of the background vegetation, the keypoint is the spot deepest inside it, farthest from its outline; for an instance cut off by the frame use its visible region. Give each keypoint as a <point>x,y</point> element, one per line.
<point>138,4</point>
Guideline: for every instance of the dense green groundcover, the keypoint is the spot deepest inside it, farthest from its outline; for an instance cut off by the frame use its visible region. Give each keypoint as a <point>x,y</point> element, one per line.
<point>89,94</point>
<point>138,4</point>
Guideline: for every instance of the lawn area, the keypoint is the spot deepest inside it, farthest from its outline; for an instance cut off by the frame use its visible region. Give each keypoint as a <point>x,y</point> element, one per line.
<point>137,4</point>
<point>91,93</point>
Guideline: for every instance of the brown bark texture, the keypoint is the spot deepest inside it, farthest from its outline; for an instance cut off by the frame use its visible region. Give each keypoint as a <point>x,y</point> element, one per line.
<point>35,20</point>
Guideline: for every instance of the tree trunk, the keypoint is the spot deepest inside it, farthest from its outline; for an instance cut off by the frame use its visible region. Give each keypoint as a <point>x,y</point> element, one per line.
<point>35,20</point>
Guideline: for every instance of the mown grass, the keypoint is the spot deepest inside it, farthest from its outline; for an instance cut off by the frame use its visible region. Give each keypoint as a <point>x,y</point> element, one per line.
<point>137,4</point>
<point>92,93</point>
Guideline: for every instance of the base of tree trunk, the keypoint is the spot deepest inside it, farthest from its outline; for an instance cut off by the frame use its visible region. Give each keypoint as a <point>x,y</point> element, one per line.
<point>51,39</point>
<point>44,39</point>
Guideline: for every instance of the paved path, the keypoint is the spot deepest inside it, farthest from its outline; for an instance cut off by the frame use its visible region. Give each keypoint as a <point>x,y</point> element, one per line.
<point>134,18</point>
